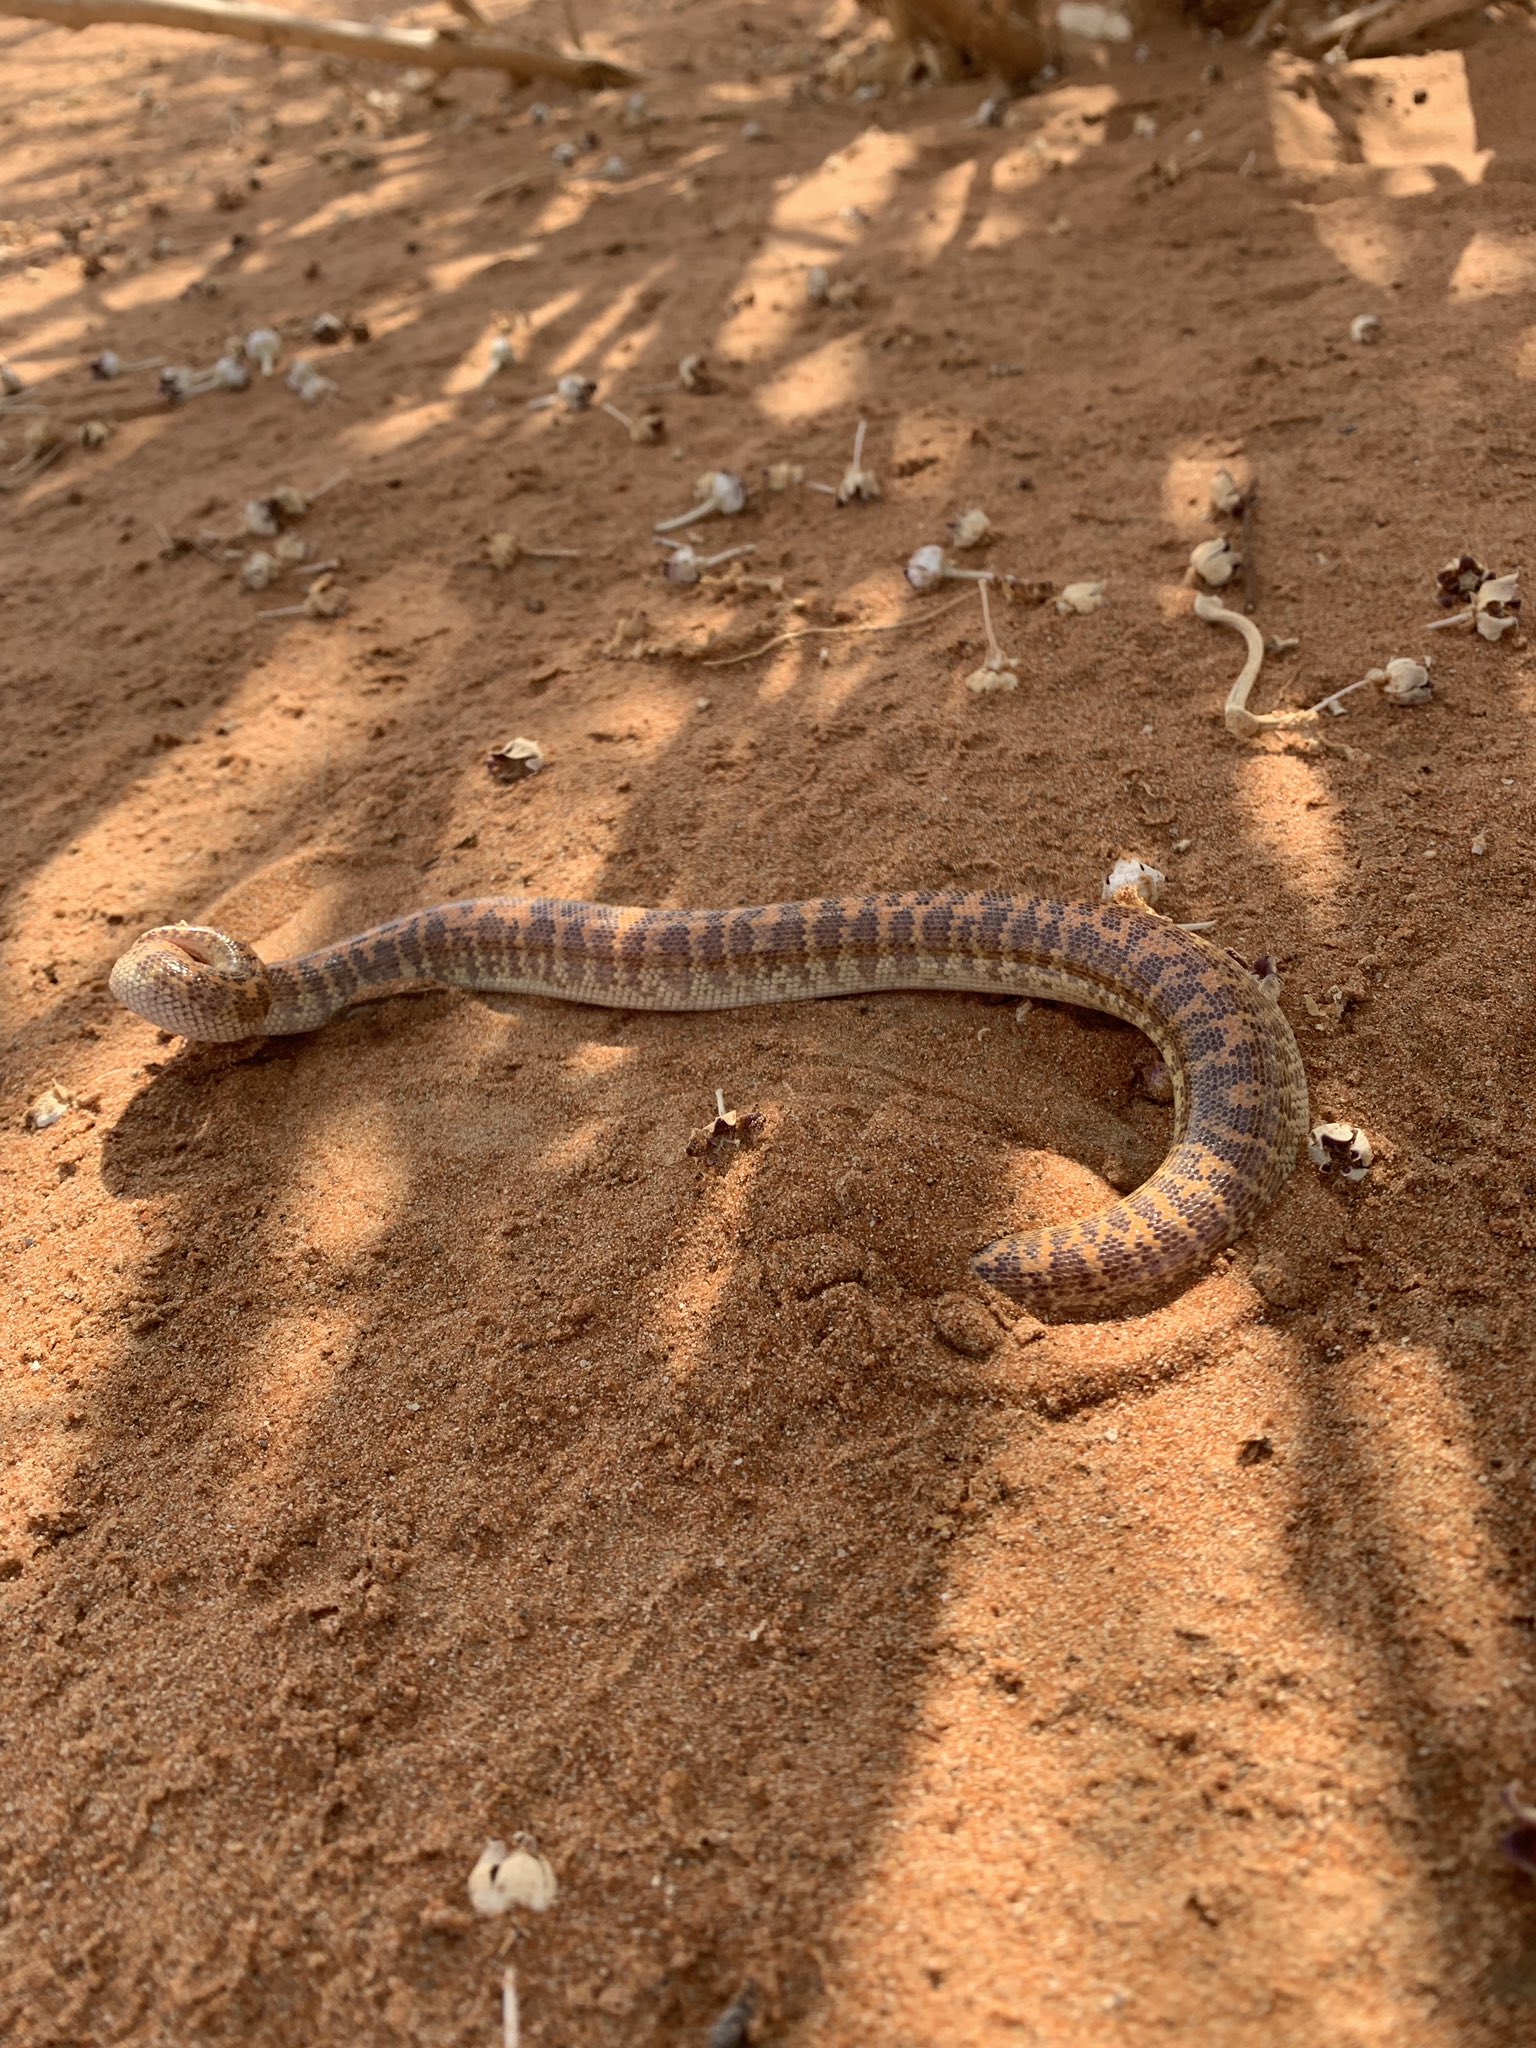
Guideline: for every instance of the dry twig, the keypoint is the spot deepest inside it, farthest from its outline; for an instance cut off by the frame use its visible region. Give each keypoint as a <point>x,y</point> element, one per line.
<point>429,49</point>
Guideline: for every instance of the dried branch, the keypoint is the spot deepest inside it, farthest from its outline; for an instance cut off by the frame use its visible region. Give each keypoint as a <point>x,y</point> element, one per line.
<point>432,49</point>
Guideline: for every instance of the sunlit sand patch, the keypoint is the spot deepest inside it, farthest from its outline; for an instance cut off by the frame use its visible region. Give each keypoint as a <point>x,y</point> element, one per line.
<point>834,375</point>
<point>1187,501</point>
<point>398,189</point>
<point>808,226</point>
<point>564,209</point>
<point>940,444</point>
<point>21,295</point>
<point>250,758</point>
<point>1361,236</point>
<point>471,372</point>
<point>1492,266</point>
<point>1405,112</point>
<point>863,174</point>
<point>629,349</point>
<point>353,1184</point>
<point>1293,816</point>
<point>1418,110</point>
<point>534,320</point>
<point>454,274</point>
<point>580,351</point>
<point>1432,1505</point>
<point>288,1366</point>
<point>940,219</point>
<point>1303,132</point>
<point>576,1147</point>
<point>687,1296</point>
<point>392,430</point>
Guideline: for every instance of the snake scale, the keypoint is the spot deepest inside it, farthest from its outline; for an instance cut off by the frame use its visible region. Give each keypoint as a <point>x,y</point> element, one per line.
<point>1240,1095</point>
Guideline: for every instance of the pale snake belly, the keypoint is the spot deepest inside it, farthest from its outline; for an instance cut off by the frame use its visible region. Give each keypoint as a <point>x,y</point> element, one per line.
<point>1239,1091</point>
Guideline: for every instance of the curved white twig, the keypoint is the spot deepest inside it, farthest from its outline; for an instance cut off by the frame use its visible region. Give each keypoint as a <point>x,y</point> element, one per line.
<point>1240,720</point>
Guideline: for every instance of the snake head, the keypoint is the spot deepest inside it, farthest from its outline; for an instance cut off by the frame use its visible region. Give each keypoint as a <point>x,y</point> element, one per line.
<point>195,982</point>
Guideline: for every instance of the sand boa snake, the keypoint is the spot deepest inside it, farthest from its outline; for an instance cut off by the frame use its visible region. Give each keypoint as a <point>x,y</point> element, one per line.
<point>1240,1095</point>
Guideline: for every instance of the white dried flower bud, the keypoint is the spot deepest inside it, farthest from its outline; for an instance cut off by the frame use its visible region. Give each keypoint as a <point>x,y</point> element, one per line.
<point>263,347</point>
<point>258,569</point>
<point>1343,1149</point>
<point>1081,597</point>
<point>925,569</point>
<point>1226,494</point>
<point>972,529</point>
<point>1215,562</point>
<point>1498,606</point>
<point>1365,328</point>
<point>516,761</point>
<point>984,682</point>
<point>505,1878</point>
<point>1403,682</point>
<point>1133,878</point>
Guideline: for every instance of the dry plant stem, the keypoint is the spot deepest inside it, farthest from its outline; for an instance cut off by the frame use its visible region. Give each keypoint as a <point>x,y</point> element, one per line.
<point>1239,719</point>
<point>36,464</point>
<point>1250,570</point>
<point>813,632</point>
<point>995,655</point>
<point>1382,26</point>
<point>254,24</point>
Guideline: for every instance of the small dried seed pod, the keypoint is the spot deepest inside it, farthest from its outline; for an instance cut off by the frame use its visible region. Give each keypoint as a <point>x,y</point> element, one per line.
<point>683,565</point>
<point>571,393</point>
<point>1403,682</point>
<point>818,282</point>
<point>645,429</point>
<point>503,356</point>
<point>506,1878</point>
<point>260,518</point>
<point>1227,495</point>
<point>94,434</point>
<point>327,328</point>
<point>264,345</point>
<point>858,485</point>
<point>1365,328</point>
<point>1214,563</point>
<point>1459,580</point>
<point>972,529</point>
<point>1081,597</point>
<point>694,375</point>
<point>516,761</point>
<point>1498,606</point>
<point>1133,878</point>
<point>928,567</point>
<point>309,383</point>
<point>258,569</point>
<point>717,491</point>
<point>1343,1149</point>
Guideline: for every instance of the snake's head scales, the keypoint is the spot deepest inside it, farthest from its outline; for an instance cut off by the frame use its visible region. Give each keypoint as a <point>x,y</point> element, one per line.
<point>195,982</point>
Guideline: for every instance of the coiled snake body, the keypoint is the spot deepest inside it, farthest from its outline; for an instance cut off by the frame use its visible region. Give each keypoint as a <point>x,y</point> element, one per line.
<point>1240,1095</point>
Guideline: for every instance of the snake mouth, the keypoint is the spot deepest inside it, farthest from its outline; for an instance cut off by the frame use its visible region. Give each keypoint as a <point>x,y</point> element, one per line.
<point>203,949</point>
